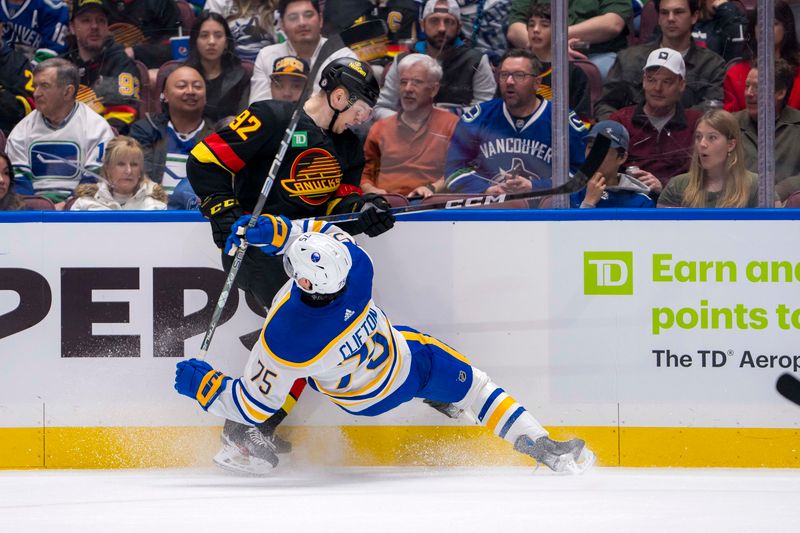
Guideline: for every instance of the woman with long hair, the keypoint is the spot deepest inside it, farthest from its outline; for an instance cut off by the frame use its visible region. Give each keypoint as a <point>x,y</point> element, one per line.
<point>9,200</point>
<point>718,176</point>
<point>252,23</point>
<point>124,185</point>
<point>212,53</point>
<point>786,47</point>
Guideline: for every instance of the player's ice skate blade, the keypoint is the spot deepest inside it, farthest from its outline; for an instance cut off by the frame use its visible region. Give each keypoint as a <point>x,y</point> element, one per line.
<point>251,453</point>
<point>570,456</point>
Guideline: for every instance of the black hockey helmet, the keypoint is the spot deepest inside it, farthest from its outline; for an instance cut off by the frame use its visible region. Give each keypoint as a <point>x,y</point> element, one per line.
<point>354,75</point>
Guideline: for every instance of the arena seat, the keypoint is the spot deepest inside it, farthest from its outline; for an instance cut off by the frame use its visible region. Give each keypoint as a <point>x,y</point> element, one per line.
<point>187,15</point>
<point>145,91</point>
<point>395,199</point>
<point>2,141</point>
<point>648,22</point>
<point>793,201</point>
<point>595,80</point>
<point>38,203</point>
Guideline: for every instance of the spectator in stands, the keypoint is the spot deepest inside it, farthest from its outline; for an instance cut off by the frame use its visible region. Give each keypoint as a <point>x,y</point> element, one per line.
<point>787,129</point>
<point>169,136</point>
<point>599,23</point>
<point>505,145</point>
<point>288,78</point>
<point>124,185</point>
<point>9,200</point>
<point>661,130</point>
<point>609,187</point>
<point>717,176</point>
<point>212,54</point>
<point>301,20</point>
<point>540,43</point>
<point>109,79</point>
<point>144,27</point>
<point>405,152</point>
<point>467,77</point>
<point>722,28</point>
<point>36,29</point>
<point>484,23</point>
<point>786,48</point>
<point>251,24</point>
<point>52,146</point>
<point>16,94</point>
<point>705,69</point>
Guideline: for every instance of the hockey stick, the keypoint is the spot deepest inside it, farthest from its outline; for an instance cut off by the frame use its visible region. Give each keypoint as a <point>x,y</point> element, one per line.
<point>577,182</point>
<point>324,53</point>
<point>788,386</point>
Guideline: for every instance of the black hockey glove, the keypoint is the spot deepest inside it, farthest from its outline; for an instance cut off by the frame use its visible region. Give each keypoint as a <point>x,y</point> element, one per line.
<point>222,210</point>
<point>375,217</point>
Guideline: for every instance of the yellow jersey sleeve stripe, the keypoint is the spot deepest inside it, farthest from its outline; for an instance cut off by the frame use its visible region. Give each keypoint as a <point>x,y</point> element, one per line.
<point>255,414</point>
<point>204,155</point>
<point>279,231</point>
<point>498,413</point>
<point>25,104</point>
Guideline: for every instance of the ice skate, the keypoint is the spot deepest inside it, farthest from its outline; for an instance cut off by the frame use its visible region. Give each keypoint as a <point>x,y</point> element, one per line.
<point>247,452</point>
<point>570,456</point>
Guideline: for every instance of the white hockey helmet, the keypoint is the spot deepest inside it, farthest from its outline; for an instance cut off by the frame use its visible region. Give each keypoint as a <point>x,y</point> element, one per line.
<point>321,259</point>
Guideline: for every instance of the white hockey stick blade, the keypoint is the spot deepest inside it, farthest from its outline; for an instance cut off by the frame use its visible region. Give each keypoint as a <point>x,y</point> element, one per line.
<point>585,461</point>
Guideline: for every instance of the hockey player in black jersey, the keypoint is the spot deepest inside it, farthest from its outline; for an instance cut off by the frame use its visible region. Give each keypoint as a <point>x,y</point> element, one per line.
<point>320,174</point>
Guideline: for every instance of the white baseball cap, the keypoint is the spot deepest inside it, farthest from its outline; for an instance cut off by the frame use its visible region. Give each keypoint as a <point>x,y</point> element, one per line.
<point>667,58</point>
<point>452,8</point>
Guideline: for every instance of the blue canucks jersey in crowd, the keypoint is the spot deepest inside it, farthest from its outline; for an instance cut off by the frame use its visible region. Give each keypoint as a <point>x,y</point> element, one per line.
<point>34,25</point>
<point>489,143</point>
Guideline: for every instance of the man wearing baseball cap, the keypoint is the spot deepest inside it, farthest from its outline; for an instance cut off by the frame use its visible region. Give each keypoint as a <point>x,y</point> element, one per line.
<point>661,130</point>
<point>289,75</point>
<point>609,187</point>
<point>109,78</point>
<point>467,78</point>
<point>704,70</point>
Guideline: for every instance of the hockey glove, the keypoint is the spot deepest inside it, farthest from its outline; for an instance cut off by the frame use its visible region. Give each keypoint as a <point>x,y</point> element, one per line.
<point>221,210</point>
<point>197,379</point>
<point>375,217</point>
<point>269,234</point>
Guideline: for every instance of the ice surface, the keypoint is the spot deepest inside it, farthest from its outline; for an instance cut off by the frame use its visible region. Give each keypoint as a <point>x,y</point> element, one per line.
<point>448,500</point>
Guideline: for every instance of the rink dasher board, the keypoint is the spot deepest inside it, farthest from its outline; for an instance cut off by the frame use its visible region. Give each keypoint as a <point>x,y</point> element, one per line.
<point>591,320</point>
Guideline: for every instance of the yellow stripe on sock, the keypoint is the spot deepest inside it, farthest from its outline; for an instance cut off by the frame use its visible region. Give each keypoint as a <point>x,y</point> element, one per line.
<point>498,413</point>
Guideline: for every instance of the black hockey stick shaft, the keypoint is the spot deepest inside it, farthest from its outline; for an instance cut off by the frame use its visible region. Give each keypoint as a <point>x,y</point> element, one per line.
<point>577,182</point>
<point>789,387</point>
<point>262,199</point>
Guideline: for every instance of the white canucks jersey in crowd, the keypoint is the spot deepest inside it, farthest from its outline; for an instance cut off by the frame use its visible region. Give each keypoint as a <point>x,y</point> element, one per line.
<point>488,144</point>
<point>348,349</point>
<point>35,24</point>
<point>37,150</point>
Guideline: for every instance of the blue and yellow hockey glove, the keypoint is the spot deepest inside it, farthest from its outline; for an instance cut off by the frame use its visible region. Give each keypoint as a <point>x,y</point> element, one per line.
<point>268,235</point>
<point>197,379</point>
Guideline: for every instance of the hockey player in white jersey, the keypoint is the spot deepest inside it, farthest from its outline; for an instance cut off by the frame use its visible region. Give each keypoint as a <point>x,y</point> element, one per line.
<point>324,326</point>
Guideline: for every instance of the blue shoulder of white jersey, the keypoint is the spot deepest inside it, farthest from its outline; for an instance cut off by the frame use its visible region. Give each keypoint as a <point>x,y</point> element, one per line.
<point>297,335</point>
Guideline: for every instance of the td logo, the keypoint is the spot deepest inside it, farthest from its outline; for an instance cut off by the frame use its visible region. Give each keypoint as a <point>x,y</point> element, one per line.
<point>608,273</point>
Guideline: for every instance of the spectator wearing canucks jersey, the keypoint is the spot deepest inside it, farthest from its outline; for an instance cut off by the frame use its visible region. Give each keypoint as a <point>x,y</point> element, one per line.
<point>324,326</point>
<point>168,137</point>
<point>467,77</point>
<point>16,91</point>
<point>144,27</point>
<point>109,79</point>
<point>505,145</point>
<point>55,147</point>
<point>37,28</point>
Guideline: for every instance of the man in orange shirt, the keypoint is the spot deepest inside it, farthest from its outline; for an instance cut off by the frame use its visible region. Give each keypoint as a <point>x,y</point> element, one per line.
<point>405,153</point>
